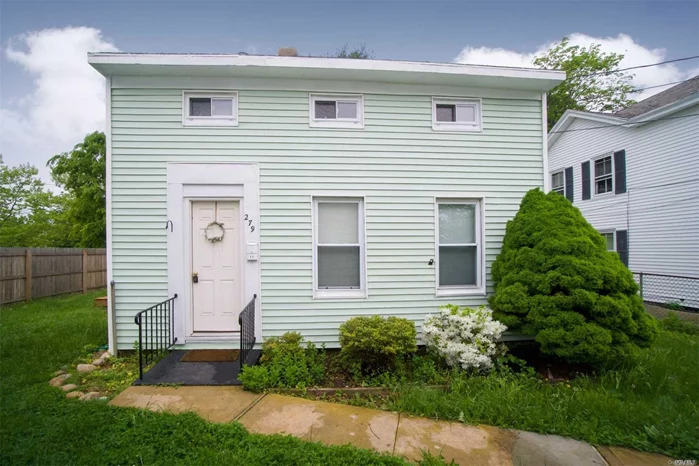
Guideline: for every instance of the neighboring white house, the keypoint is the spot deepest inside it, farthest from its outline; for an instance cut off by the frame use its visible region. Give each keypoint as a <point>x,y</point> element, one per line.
<point>344,187</point>
<point>634,175</point>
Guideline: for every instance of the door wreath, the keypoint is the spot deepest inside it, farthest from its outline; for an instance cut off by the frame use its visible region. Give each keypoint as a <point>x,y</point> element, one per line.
<point>214,232</point>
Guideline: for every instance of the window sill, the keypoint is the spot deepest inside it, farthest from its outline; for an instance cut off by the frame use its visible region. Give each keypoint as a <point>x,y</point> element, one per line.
<point>455,292</point>
<point>456,128</point>
<point>210,122</point>
<point>339,294</point>
<point>336,124</point>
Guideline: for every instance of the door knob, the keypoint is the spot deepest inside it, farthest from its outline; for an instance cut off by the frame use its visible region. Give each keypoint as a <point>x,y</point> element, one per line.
<point>195,277</point>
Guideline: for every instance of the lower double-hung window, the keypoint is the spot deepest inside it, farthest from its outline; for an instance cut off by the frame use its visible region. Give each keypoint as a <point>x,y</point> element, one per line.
<point>459,247</point>
<point>339,248</point>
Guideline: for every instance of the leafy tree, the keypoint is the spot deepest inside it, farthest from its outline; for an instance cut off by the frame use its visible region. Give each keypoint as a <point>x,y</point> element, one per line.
<point>360,52</point>
<point>593,82</point>
<point>81,173</point>
<point>555,279</point>
<point>30,215</point>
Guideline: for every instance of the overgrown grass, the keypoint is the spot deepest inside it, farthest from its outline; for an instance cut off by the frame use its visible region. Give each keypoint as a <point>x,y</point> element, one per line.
<point>651,403</point>
<point>38,425</point>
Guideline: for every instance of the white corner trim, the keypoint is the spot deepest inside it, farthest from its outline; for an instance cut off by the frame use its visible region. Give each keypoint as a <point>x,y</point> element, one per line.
<point>455,126</point>
<point>111,312</point>
<point>544,143</point>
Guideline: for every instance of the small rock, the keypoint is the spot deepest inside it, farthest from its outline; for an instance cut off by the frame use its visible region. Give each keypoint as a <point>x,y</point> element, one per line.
<point>86,367</point>
<point>74,395</point>
<point>69,387</point>
<point>57,373</point>
<point>98,362</point>
<point>103,398</point>
<point>105,355</point>
<point>90,396</point>
<point>59,380</point>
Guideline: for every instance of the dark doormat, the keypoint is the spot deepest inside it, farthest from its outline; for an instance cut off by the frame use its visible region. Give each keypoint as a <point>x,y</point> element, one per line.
<point>210,356</point>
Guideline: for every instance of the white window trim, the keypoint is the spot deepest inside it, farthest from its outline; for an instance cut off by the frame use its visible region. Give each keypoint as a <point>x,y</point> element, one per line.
<point>455,126</point>
<point>211,121</point>
<point>472,290</point>
<point>349,123</point>
<point>613,233</point>
<point>593,178</point>
<point>360,293</point>
<point>563,172</point>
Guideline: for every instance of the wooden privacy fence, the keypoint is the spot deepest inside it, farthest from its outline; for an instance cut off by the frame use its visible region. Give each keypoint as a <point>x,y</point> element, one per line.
<point>27,273</point>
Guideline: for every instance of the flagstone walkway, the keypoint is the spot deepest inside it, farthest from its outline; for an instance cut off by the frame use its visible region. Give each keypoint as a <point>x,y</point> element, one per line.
<point>383,431</point>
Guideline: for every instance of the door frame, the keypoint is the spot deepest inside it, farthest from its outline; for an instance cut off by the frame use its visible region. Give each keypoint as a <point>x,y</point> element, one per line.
<point>209,181</point>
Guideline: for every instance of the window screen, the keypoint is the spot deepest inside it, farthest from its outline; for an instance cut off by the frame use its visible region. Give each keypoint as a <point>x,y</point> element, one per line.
<point>325,109</point>
<point>458,245</point>
<point>446,112</point>
<point>338,245</point>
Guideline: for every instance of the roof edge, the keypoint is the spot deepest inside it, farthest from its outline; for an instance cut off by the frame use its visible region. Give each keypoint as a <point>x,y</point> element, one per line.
<point>111,58</point>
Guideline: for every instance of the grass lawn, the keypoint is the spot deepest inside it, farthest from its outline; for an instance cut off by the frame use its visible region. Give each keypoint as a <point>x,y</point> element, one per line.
<point>650,404</point>
<point>38,425</point>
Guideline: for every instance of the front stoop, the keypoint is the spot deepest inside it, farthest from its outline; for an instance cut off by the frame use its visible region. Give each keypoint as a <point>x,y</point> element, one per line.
<point>170,370</point>
<point>383,431</point>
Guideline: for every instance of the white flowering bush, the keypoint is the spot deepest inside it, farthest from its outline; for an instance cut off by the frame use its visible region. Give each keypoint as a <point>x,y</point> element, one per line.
<point>465,337</point>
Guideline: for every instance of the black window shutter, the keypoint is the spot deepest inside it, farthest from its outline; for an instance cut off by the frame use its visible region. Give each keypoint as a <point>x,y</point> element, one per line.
<point>622,246</point>
<point>586,180</point>
<point>569,183</point>
<point>620,172</point>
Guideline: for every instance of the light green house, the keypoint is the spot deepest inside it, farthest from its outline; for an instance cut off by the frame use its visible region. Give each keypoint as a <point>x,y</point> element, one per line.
<point>327,188</point>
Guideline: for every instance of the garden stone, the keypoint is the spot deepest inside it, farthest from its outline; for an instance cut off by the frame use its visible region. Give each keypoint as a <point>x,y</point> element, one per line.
<point>98,362</point>
<point>105,355</point>
<point>74,395</point>
<point>59,380</point>
<point>57,373</point>
<point>69,387</point>
<point>86,367</point>
<point>103,398</point>
<point>90,396</point>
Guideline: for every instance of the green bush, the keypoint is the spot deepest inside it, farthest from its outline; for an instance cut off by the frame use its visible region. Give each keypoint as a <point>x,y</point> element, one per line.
<point>672,323</point>
<point>555,279</point>
<point>377,342</point>
<point>285,363</point>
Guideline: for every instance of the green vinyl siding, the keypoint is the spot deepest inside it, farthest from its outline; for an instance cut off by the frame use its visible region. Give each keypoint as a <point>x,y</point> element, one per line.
<point>397,163</point>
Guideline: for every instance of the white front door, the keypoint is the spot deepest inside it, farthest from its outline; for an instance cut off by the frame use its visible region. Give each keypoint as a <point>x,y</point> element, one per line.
<point>216,268</point>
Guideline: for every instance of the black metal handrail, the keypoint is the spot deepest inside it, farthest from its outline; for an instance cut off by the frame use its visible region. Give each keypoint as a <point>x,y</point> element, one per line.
<point>668,289</point>
<point>246,320</point>
<point>156,332</point>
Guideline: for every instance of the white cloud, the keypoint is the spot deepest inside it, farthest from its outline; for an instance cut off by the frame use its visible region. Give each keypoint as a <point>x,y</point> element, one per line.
<point>67,98</point>
<point>634,55</point>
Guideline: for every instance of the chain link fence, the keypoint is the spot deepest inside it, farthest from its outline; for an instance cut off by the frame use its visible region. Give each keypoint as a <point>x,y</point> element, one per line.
<point>670,291</point>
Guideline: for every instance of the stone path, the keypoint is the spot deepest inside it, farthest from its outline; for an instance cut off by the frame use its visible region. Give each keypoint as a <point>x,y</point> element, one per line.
<point>383,431</point>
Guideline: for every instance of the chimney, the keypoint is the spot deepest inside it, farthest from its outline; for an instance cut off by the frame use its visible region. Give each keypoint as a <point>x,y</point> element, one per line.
<point>287,52</point>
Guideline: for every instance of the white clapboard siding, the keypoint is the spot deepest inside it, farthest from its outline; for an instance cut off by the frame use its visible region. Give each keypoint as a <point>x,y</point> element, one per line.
<point>660,209</point>
<point>397,163</point>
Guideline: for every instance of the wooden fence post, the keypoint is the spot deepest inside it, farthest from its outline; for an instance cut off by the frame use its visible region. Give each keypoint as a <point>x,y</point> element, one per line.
<point>84,271</point>
<point>28,275</point>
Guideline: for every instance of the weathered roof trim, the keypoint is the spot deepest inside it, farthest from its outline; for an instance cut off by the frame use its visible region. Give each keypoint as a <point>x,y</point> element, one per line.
<point>110,64</point>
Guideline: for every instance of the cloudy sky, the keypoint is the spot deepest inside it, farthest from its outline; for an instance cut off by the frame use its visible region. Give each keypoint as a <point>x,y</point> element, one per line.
<point>50,98</point>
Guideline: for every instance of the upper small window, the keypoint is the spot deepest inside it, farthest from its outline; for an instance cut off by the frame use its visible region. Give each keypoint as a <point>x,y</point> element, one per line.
<point>456,115</point>
<point>603,175</point>
<point>337,111</point>
<point>558,183</point>
<point>204,109</point>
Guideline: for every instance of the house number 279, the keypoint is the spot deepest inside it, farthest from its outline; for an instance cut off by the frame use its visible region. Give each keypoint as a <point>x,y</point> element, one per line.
<point>249,220</point>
